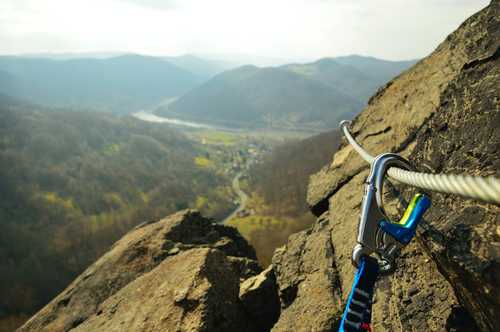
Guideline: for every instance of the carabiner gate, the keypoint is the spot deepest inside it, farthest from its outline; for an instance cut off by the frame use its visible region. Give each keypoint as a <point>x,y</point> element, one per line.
<point>376,233</point>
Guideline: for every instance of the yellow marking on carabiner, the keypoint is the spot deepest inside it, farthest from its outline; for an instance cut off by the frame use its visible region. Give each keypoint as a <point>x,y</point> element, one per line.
<point>410,208</point>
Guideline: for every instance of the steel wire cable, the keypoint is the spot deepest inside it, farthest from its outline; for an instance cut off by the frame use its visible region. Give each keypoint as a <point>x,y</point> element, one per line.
<point>482,188</point>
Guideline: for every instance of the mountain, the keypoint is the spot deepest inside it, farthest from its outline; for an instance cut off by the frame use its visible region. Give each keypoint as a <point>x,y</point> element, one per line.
<point>241,59</point>
<point>263,97</point>
<point>121,84</point>
<point>5,78</point>
<point>73,55</point>
<point>313,95</point>
<point>443,115</point>
<point>203,68</point>
<point>383,70</point>
<point>356,76</point>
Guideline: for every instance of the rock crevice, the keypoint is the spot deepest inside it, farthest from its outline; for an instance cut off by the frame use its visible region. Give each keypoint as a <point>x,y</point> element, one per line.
<point>444,116</point>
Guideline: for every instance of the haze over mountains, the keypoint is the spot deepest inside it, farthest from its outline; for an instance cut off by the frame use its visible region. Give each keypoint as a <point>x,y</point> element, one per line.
<point>201,67</point>
<point>121,84</point>
<point>312,95</point>
<point>356,76</point>
<point>263,97</point>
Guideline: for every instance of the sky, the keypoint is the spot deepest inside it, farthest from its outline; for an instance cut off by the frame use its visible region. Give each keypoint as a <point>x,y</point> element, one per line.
<point>281,29</point>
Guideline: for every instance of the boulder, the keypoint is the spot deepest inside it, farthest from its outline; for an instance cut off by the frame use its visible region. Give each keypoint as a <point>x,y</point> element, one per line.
<point>196,290</point>
<point>308,281</point>
<point>259,296</point>
<point>146,250</point>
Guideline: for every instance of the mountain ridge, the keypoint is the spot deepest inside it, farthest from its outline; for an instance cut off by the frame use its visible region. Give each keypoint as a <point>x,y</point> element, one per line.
<point>316,94</point>
<point>120,84</point>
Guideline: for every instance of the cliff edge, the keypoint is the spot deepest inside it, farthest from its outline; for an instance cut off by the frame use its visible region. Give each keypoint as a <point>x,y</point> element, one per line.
<point>444,115</point>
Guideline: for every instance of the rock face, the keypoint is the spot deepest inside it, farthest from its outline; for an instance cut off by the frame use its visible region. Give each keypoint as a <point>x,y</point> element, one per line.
<point>308,282</point>
<point>444,115</point>
<point>463,236</point>
<point>259,296</point>
<point>181,273</point>
<point>193,291</point>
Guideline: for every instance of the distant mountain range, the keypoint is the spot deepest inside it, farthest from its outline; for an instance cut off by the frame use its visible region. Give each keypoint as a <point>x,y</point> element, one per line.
<point>356,76</point>
<point>201,67</point>
<point>121,84</point>
<point>309,95</point>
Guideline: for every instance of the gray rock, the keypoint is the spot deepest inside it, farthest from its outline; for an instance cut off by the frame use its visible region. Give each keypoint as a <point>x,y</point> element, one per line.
<point>197,290</point>
<point>259,296</point>
<point>463,137</point>
<point>139,253</point>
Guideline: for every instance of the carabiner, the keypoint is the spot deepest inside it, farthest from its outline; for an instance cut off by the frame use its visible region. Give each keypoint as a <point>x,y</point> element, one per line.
<point>376,233</point>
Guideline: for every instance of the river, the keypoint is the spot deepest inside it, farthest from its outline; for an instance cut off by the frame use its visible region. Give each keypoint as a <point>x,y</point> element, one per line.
<point>150,117</point>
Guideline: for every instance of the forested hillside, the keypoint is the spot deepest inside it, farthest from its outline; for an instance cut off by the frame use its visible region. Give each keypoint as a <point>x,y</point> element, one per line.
<point>73,182</point>
<point>263,97</point>
<point>383,70</point>
<point>121,84</point>
<point>314,95</point>
<point>356,76</point>
<point>202,68</point>
<point>278,186</point>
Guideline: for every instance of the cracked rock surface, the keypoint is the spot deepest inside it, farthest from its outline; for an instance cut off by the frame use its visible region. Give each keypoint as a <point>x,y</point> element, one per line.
<point>259,295</point>
<point>196,290</point>
<point>181,273</point>
<point>443,114</point>
<point>463,236</point>
<point>308,282</point>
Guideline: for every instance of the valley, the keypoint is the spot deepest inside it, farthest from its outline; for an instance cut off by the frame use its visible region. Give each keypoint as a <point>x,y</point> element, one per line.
<point>83,165</point>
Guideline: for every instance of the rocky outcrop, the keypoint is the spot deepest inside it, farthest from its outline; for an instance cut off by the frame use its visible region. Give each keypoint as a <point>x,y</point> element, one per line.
<point>181,273</point>
<point>463,237</point>
<point>195,290</point>
<point>259,295</point>
<point>308,282</point>
<point>444,115</point>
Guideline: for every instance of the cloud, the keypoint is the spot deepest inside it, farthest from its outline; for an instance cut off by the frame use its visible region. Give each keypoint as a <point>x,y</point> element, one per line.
<point>293,29</point>
<point>155,4</point>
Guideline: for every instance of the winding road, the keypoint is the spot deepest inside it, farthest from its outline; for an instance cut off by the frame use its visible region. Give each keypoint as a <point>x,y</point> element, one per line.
<point>243,197</point>
<point>148,116</point>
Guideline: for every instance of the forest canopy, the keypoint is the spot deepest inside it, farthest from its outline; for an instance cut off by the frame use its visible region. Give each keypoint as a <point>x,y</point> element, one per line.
<point>72,183</point>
